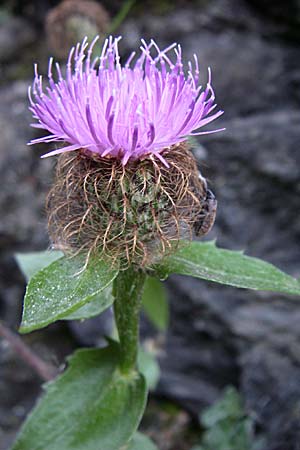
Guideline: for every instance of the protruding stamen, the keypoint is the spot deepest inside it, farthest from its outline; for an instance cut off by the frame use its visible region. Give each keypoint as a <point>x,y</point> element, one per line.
<point>151,134</point>
<point>131,111</point>
<point>110,129</point>
<point>134,138</point>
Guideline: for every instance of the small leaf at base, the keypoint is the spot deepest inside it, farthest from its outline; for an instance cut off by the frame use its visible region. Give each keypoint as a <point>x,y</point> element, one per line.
<point>149,367</point>
<point>155,303</point>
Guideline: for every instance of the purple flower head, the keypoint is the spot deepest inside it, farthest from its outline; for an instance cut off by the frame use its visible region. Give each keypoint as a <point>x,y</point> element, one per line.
<point>123,111</point>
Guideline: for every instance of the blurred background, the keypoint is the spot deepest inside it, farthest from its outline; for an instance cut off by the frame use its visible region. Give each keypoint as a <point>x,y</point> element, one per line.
<point>218,336</point>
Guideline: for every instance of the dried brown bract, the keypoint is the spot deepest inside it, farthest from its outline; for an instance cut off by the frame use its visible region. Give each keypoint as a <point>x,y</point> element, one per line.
<point>132,215</point>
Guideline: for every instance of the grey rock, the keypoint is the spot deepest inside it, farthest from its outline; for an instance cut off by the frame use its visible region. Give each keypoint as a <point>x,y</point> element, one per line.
<point>15,35</point>
<point>252,71</point>
<point>24,182</point>
<point>288,12</point>
<point>25,178</point>
<point>270,384</point>
<point>19,386</point>
<point>254,166</point>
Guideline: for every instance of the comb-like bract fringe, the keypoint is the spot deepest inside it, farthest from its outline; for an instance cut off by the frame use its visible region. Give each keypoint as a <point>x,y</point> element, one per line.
<point>133,214</point>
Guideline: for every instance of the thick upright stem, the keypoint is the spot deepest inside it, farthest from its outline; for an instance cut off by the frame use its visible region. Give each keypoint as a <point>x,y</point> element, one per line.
<point>128,288</point>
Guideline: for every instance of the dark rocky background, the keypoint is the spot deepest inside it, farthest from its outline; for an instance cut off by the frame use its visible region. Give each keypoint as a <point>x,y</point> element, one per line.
<point>217,335</point>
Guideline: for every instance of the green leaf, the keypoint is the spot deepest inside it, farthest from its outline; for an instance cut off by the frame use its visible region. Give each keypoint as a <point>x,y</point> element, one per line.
<point>141,442</point>
<point>229,407</point>
<point>30,263</point>
<point>62,288</point>
<point>93,308</point>
<point>91,406</point>
<point>227,426</point>
<point>149,367</point>
<point>155,303</point>
<point>205,260</point>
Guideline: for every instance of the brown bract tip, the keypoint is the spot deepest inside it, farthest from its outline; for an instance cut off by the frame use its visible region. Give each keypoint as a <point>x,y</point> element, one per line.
<point>129,215</point>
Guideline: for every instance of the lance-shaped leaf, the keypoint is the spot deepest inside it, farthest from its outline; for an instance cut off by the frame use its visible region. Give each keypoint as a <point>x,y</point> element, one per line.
<point>62,288</point>
<point>205,260</point>
<point>149,367</point>
<point>155,303</point>
<point>91,406</point>
<point>94,307</point>
<point>31,263</point>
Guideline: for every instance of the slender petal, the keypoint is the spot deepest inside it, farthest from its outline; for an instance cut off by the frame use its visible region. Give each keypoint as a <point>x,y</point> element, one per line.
<point>128,112</point>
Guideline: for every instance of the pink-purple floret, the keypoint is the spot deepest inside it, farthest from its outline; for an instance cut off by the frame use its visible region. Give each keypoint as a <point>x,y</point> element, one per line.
<point>126,112</point>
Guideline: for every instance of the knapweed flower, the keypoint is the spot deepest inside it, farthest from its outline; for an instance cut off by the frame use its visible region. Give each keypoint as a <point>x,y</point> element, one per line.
<point>126,184</point>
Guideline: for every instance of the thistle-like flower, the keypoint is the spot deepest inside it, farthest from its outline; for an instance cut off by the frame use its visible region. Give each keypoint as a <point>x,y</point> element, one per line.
<point>123,112</point>
<point>127,184</point>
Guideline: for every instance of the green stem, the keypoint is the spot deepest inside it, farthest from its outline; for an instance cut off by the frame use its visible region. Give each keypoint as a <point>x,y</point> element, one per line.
<point>121,16</point>
<point>128,288</point>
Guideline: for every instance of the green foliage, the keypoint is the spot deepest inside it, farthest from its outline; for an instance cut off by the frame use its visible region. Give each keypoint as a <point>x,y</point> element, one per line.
<point>141,442</point>
<point>121,16</point>
<point>94,403</point>
<point>154,299</point>
<point>31,263</point>
<point>91,406</point>
<point>155,303</point>
<point>94,307</point>
<point>227,426</point>
<point>205,260</point>
<point>149,367</point>
<point>62,288</point>
<point>229,407</point>
<point>5,13</point>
